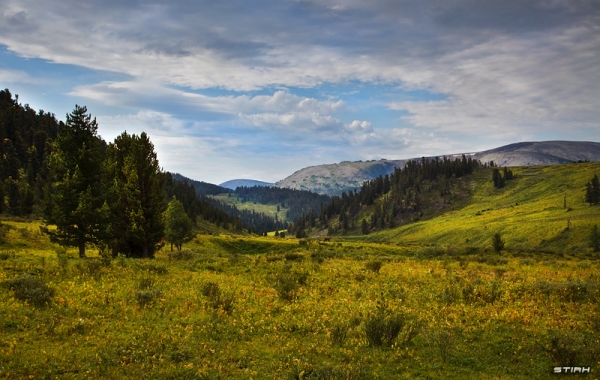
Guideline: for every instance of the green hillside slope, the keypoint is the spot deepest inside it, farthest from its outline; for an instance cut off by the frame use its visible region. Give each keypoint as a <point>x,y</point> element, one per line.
<point>529,213</point>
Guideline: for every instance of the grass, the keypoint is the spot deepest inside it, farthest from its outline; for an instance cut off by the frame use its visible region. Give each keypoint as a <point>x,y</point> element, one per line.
<point>267,209</point>
<point>259,318</point>
<point>528,213</point>
<point>419,301</point>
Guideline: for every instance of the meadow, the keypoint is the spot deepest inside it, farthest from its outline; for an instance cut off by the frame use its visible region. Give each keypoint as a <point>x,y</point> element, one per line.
<point>430,299</point>
<point>266,308</point>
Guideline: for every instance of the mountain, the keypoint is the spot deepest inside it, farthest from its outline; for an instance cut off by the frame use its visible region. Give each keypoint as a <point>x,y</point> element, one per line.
<point>235,183</point>
<point>541,153</point>
<point>202,188</point>
<point>332,179</point>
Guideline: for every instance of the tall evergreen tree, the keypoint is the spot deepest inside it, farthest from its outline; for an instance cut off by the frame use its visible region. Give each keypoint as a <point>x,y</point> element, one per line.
<point>595,239</point>
<point>74,199</point>
<point>137,196</point>
<point>592,191</point>
<point>497,243</point>
<point>178,226</point>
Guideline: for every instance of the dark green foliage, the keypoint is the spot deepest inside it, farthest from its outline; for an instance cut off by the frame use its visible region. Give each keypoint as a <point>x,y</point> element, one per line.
<point>136,198</point>
<point>30,289</point>
<point>374,265</point>
<point>217,299</point>
<point>25,143</point>
<point>178,226</point>
<point>398,196</point>
<point>571,348</point>
<point>288,282</point>
<point>595,239</point>
<point>592,191</point>
<point>569,291</point>
<point>147,297</point>
<point>75,200</point>
<point>196,205</point>
<point>339,333</point>
<point>497,243</point>
<point>383,327</point>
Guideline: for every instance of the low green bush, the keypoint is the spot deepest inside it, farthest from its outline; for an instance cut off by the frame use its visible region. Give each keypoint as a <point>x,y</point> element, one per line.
<point>31,290</point>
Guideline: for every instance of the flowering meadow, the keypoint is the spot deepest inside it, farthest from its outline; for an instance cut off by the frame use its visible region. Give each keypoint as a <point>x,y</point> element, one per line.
<point>238,307</point>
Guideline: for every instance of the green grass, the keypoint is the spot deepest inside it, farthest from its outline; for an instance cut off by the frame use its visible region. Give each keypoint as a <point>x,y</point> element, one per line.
<point>267,308</point>
<point>418,301</point>
<point>528,213</point>
<point>270,210</point>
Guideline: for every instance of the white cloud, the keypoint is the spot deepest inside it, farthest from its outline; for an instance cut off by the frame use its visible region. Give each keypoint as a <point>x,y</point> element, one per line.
<point>16,76</point>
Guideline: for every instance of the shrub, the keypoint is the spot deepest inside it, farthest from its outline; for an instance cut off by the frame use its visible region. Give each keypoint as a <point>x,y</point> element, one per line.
<point>146,283</point>
<point>571,349</point>
<point>30,289</point>
<point>374,265</point>
<point>156,268</point>
<point>383,329</point>
<point>339,333</point>
<point>293,256</point>
<point>147,297</point>
<point>217,299</point>
<point>184,254</point>
<point>442,338</point>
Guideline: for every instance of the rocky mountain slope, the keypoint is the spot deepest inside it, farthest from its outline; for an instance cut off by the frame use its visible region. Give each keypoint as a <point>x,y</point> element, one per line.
<point>332,179</point>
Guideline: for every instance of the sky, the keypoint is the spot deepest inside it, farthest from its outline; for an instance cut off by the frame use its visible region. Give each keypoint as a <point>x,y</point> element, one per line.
<point>260,89</point>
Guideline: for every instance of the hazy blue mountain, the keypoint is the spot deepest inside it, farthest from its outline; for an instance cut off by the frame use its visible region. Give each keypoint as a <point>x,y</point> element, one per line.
<point>235,183</point>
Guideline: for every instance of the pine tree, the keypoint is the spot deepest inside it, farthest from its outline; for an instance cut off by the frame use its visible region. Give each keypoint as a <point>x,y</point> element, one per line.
<point>74,199</point>
<point>592,192</point>
<point>137,196</point>
<point>595,239</point>
<point>178,226</point>
<point>365,227</point>
<point>497,243</point>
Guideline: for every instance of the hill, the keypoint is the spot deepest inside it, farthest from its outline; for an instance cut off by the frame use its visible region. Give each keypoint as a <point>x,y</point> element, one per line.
<point>333,179</point>
<point>541,209</point>
<point>235,183</point>
<point>202,188</point>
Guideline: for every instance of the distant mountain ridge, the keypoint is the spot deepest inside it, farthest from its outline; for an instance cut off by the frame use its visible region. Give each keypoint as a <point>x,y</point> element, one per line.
<point>235,183</point>
<point>332,179</point>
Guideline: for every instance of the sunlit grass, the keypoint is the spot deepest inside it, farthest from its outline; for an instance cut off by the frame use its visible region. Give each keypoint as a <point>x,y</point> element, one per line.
<point>472,317</point>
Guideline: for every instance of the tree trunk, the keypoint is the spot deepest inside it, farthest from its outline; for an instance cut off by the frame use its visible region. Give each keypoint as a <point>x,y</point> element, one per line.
<point>145,252</point>
<point>81,246</point>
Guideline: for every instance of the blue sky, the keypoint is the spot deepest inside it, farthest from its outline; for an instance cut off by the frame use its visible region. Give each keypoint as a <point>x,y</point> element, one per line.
<point>260,89</point>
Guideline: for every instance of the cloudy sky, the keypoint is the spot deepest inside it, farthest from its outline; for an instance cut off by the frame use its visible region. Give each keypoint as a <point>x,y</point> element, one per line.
<point>260,89</point>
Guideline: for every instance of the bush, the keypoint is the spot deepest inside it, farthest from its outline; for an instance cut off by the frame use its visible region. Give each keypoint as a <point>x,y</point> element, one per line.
<point>184,254</point>
<point>218,300</point>
<point>287,283</point>
<point>147,297</point>
<point>374,265</point>
<point>571,349</point>
<point>382,329</point>
<point>339,333</point>
<point>293,256</point>
<point>30,289</point>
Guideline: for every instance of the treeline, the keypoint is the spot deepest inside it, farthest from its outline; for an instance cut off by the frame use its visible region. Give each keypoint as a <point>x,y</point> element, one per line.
<point>25,143</point>
<point>254,222</point>
<point>112,195</point>
<point>391,197</point>
<point>196,206</point>
<point>202,188</point>
<point>297,202</point>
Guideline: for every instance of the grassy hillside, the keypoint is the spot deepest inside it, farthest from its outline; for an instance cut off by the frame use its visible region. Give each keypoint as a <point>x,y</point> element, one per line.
<point>528,212</point>
<point>269,210</point>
